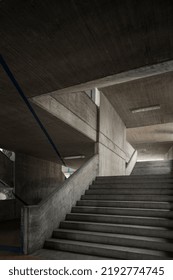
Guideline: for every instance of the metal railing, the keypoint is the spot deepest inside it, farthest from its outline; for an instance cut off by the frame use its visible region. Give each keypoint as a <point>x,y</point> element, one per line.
<point>29,106</point>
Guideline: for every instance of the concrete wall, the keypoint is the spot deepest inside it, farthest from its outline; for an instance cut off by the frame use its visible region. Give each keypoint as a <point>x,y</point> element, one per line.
<point>129,151</point>
<point>39,221</point>
<point>131,158</point>
<point>169,154</point>
<point>132,162</point>
<point>74,109</point>
<point>35,178</point>
<point>111,142</point>
<point>6,169</point>
<point>80,104</point>
<point>8,210</point>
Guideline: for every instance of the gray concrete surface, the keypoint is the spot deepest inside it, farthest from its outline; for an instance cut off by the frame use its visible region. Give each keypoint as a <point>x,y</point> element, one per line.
<point>169,154</point>
<point>132,162</point>
<point>81,105</point>
<point>84,125</point>
<point>6,169</point>
<point>153,167</point>
<point>46,254</point>
<point>40,220</point>
<point>35,178</point>
<point>112,136</point>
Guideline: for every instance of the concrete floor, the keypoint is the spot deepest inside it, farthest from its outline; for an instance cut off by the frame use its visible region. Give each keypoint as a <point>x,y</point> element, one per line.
<point>45,254</point>
<point>10,233</point>
<point>60,255</point>
<point>10,243</point>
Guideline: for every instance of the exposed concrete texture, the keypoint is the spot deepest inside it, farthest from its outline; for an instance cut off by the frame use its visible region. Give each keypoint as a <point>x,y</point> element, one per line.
<point>169,154</point>
<point>141,93</point>
<point>35,178</point>
<point>101,38</point>
<point>131,164</point>
<point>40,220</point>
<point>112,156</point>
<point>131,157</point>
<point>109,162</point>
<point>121,78</point>
<point>8,210</point>
<point>76,110</point>
<point>45,254</point>
<point>6,169</point>
<point>129,151</point>
<point>81,105</point>
<point>153,167</point>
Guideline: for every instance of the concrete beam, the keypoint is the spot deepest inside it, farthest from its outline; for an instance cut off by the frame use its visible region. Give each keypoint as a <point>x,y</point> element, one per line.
<point>131,75</point>
<point>63,113</point>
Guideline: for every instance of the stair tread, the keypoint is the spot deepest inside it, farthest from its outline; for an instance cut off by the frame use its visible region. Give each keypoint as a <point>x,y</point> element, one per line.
<point>127,217</point>
<point>134,176</point>
<point>118,216</point>
<point>127,236</point>
<point>110,247</point>
<point>157,203</point>
<point>123,208</point>
<point>127,197</point>
<point>117,225</point>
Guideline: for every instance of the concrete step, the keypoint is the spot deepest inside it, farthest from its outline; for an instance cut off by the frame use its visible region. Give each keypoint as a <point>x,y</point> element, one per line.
<point>113,252</point>
<point>115,239</point>
<point>117,219</point>
<point>130,191</point>
<point>126,204</point>
<point>134,186</point>
<point>112,197</point>
<point>123,211</point>
<point>153,167</point>
<point>139,230</point>
<point>134,179</point>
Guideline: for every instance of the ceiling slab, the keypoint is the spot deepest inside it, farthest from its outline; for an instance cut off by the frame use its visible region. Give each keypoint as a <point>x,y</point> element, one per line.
<point>155,90</point>
<point>20,132</point>
<point>150,134</point>
<point>120,78</point>
<point>51,45</point>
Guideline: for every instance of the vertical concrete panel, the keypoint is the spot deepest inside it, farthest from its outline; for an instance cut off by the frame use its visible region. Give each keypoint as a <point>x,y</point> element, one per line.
<point>35,178</point>
<point>112,139</point>
<point>169,154</point>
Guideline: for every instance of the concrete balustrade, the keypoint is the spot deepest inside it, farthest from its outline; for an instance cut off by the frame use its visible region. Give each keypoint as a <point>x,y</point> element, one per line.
<point>39,221</point>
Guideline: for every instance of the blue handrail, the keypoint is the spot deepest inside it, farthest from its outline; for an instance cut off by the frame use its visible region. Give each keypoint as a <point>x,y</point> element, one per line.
<point>28,104</point>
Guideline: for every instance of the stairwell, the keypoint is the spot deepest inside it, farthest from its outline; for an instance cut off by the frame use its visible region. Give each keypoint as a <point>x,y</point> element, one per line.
<point>122,217</point>
<point>153,167</point>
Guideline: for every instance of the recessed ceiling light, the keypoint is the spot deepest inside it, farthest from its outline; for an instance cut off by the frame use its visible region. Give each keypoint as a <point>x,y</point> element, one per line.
<point>75,157</point>
<point>145,109</point>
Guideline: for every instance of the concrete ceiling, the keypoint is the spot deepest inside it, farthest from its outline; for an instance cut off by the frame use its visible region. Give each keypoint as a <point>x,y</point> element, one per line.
<point>51,45</point>
<point>151,134</point>
<point>54,44</point>
<point>20,132</point>
<point>144,92</point>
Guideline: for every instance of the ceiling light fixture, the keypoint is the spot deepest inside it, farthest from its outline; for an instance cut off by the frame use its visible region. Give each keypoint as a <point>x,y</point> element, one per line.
<point>145,109</point>
<point>75,157</point>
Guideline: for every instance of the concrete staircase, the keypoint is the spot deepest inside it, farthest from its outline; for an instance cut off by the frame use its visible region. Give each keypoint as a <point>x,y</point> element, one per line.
<point>123,217</point>
<point>153,167</point>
